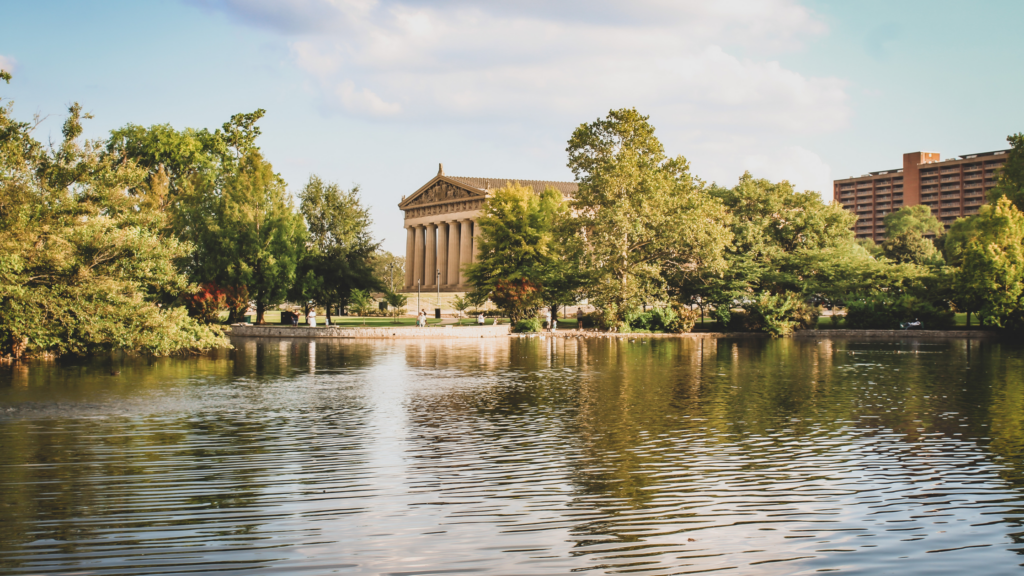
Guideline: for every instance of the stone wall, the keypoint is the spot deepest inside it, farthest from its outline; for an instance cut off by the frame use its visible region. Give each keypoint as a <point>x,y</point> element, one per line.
<point>381,332</point>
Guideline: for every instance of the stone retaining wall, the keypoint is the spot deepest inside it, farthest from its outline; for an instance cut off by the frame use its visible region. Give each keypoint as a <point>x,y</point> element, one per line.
<point>377,332</point>
<point>896,334</point>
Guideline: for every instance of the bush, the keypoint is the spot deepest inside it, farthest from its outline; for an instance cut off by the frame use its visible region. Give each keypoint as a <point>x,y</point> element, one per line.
<point>595,319</point>
<point>527,325</point>
<point>654,320</point>
<point>777,314</point>
<point>684,320</point>
<point>885,312</point>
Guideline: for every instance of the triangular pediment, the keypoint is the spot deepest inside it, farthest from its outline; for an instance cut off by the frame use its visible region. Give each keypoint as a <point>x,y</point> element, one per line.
<point>440,190</point>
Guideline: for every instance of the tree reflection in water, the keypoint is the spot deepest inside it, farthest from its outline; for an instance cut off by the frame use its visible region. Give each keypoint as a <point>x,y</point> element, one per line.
<point>528,455</point>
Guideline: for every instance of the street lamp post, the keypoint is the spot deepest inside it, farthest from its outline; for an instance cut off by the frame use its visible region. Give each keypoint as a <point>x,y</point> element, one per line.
<point>418,297</point>
<point>438,289</point>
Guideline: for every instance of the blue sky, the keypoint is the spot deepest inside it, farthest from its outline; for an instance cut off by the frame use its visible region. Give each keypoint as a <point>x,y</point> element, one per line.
<point>377,92</point>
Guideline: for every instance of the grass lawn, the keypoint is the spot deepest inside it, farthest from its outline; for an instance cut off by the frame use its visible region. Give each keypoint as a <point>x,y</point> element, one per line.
<point>274,317</point>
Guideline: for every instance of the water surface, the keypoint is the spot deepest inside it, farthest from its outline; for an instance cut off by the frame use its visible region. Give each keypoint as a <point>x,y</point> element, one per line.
<point>522,456</point>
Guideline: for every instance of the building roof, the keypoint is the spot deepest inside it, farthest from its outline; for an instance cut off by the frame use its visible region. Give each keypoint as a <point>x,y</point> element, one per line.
<point>537,185</point>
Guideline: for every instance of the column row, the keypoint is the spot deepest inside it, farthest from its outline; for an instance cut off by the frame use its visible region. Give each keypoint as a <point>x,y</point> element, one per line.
<point>437,251</point>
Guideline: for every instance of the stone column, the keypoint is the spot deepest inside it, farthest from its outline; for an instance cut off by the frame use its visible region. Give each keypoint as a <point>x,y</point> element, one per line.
<point>418,258</point>
<point>430,268</point>
<point>410,251</point>
<point>453,253</point>
<point>466,251</point>
<point>442,251</point>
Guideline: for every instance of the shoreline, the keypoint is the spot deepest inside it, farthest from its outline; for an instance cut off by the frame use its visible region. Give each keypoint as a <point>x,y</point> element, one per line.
<point>491,331</point>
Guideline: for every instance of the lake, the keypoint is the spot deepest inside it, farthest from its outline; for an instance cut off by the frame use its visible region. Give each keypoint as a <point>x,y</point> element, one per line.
<point>519,456</point>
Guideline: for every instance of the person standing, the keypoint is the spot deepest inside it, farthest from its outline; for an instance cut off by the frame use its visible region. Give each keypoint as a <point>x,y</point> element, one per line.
<point>480,319</point>
<point>547,317</point>
<point>311,318</point>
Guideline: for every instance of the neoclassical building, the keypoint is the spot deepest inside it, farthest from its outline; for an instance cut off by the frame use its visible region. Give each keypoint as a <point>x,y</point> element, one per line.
<point>441,230</point>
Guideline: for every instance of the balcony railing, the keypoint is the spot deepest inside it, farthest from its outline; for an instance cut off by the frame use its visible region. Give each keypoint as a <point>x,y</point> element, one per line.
<point>955,179</point>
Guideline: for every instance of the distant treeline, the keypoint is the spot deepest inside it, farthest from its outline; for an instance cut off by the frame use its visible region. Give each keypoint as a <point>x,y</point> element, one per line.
<point>644,232</point>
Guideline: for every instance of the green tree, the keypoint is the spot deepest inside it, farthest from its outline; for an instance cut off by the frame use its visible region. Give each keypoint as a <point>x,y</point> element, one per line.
<point>82,261</point>
<point>389,269</point>
<point>518,243</point>
<point>260,235</point>
<point>638,216</point>
<point>340,254</point>
<point>1011,175</point>
<point>770,222</point>
<point>990,278</point>
<point>396,303</point>
<point>905,231</point>
<point>460,304</point>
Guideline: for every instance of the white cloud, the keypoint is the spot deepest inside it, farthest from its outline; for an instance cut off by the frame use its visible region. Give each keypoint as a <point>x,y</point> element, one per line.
<point>7,63</point>
<point>704,71</point>
<point>804,169</point>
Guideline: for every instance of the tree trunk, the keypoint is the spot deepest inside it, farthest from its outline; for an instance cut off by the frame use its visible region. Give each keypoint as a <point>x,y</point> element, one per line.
<point>327,310</point>
<point>968,318</point>
<point>260,309</point>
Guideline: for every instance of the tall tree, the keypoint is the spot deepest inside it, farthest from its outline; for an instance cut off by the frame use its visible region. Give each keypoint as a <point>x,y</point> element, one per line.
<point>518,262</point>
<point>260,235</point>
<point>990,278</point>
<point>905,231</point>
<point>638,215</point>
<point>769,222</point>
<point>340,251</point>
<point>1011,175</point>
<point>82,260</point>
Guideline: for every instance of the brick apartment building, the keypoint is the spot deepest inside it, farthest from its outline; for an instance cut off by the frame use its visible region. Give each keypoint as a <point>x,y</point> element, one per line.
<point>952,188</point>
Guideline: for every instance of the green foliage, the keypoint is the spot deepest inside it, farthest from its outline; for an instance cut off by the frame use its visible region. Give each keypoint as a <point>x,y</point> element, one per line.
<point>83,265</point>
<point>990,279</point>
<point>461,304</point>
<point>780,239</point>
<point>886,312</point>
<point>639,216</point>
<point>388,269</point>
<point>340,255</point>
<point>518,242</point>
<point>361,302</point>
<point>517,299</point>
<point>684,320</point>
<point>260,236</point>
<point>526,325</point>
<point>779,314</point>
<point>1011,175</point>
<point>653,320</point>
<point>396,303</point>
<point>905,240</point>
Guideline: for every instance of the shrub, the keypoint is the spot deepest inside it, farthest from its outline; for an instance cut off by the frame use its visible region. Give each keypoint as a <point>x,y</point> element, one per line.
<point>886,312</point>
<point>684,320</point>
<point>527,325</point>
<point>776,314</point>
<point>654,320</point>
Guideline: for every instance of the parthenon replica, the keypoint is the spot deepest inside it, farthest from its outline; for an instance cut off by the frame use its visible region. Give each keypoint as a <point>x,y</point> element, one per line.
<point>441,230</point>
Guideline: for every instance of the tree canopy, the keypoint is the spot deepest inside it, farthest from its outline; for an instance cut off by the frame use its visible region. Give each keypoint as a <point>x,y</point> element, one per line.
<point>639,216</point>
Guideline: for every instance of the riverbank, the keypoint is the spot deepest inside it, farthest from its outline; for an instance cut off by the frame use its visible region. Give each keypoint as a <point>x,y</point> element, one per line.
<point>377,332</point>
<point>491,331</point>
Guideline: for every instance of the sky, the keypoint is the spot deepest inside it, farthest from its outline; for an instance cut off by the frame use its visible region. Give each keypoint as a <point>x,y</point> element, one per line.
<point>378,92</point>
